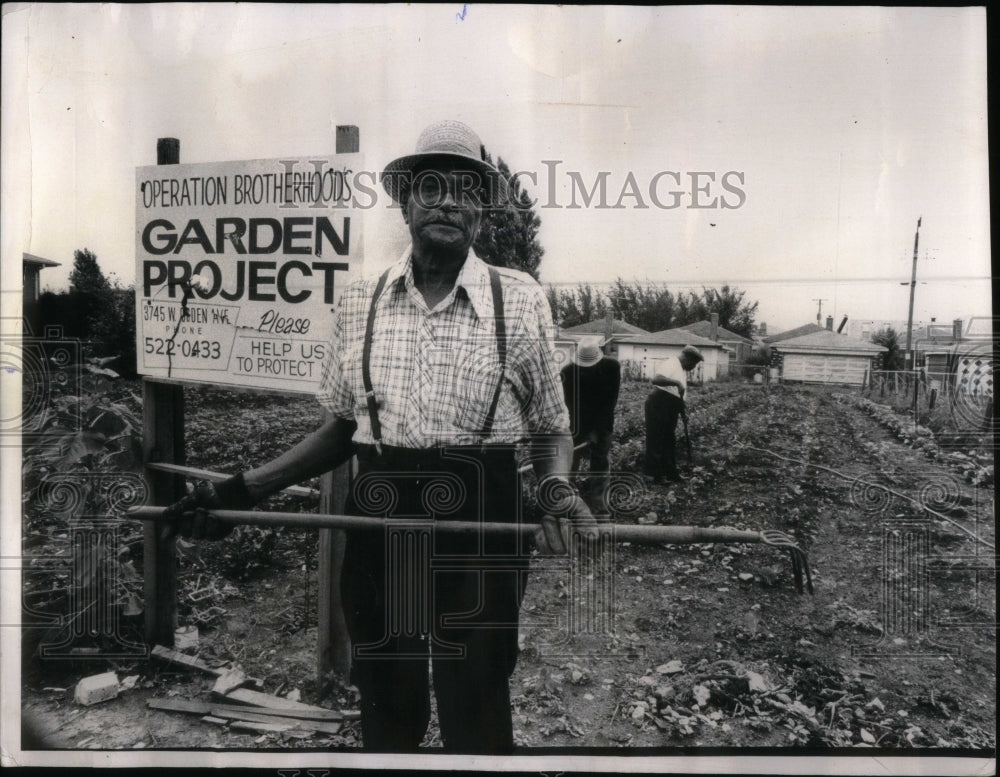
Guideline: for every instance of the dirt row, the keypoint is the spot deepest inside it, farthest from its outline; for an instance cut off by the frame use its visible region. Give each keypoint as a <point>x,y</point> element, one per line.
<point>669,646</point>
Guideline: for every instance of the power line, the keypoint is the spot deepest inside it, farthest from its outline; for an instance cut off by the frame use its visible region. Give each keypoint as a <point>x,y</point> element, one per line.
<point>690,282</point>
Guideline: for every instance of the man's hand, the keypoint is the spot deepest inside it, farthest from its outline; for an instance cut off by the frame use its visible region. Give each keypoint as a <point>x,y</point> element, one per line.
<point>189,516</point>
<point>566,518</point>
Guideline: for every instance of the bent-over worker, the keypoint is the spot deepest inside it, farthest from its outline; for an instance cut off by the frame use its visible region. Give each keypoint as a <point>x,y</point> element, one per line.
<point>664,406</point>
<point>591,382</point>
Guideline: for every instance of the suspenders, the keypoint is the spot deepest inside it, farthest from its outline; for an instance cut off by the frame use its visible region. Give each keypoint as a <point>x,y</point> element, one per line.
<point>501,335</point>
<point>365,365</point>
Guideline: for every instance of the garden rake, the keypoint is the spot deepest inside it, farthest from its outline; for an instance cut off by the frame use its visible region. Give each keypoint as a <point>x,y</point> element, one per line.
<point>641,535</point>
<point>687,434</point>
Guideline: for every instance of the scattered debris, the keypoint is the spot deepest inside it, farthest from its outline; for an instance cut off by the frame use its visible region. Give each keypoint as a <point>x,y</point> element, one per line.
<point>186,638</point>
<point>128,683</point>
<point>96,688</point>
<point>176,657</point>
<point>229,680</point>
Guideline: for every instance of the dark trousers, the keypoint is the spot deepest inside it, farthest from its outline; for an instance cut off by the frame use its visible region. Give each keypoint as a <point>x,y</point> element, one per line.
<point>410,592</point>
<point>662,412</point>
<point>594,486</point>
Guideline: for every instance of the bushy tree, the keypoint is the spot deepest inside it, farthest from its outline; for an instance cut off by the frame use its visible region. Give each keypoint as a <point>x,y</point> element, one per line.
<point>734,314</point>
<point>86,276</point>
<point>89,292</point>
<point>648,307</point>
<point>508,235</point>
<point>577,306</point>
<point>96,309</point>
<point>893,358</point>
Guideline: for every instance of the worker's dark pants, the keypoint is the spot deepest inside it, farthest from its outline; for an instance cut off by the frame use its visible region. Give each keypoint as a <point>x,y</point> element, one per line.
<point>594,489</point>
<point>662,412</point>
<point>409,592</point>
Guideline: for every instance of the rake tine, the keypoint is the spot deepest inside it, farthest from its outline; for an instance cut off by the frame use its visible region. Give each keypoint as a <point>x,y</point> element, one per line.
<point>800,561</point>
<point>796,570</point>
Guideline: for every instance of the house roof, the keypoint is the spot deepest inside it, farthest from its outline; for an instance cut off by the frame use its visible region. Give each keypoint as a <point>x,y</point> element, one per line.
<point>825,341</point>
<point>599,327</point>
<point>675,336</point>
<point>704,329</point>
<point>38,261</point>
<point>797,332</point>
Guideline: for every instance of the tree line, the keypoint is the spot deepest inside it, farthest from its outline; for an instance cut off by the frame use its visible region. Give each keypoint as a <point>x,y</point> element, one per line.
<point>652,307</point>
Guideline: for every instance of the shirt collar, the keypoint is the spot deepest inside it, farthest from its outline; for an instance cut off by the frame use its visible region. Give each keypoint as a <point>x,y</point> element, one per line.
<point>474,278</point>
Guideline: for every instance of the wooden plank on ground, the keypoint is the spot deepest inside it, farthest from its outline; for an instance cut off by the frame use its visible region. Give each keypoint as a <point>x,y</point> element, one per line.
<point>205,708</point>
<point>258,699</point>
<point>176,657</point>
<point>318,714</point>
<point>323,726</point>
<point>180,705</point>
<point>244,725</point>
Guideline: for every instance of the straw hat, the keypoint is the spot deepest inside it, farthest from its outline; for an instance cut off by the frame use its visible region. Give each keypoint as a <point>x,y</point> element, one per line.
<point>445,141</point>
<point>692,353</point>
<point>588,352</point>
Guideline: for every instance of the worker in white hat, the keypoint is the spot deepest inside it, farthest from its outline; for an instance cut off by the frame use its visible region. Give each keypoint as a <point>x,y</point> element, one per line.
<point>664,406</point>
<point>591,382</point>
<point>436,371</point>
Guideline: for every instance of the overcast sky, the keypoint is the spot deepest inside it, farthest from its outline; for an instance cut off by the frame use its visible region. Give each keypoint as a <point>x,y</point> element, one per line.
<point>844,124</point>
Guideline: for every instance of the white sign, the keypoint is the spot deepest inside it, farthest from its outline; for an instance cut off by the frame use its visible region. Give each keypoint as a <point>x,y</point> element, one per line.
<point>239,266</point>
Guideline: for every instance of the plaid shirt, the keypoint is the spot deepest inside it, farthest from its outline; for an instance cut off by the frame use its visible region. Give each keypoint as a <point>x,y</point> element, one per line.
<point>434,372</point>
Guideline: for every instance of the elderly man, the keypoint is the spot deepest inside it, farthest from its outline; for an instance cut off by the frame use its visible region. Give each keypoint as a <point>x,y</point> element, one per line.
<point>437,370</point>
<point>664,406</point>
<point>590,385</point>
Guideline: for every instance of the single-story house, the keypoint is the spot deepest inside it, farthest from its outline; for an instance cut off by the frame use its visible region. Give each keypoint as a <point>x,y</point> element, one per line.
<point>824,356</point>
<point>740,346</point>
<point>568,338</point>
<point>961,360</point>
<point>32,267</point>
<point>612,330</point>
<point>645,350</point>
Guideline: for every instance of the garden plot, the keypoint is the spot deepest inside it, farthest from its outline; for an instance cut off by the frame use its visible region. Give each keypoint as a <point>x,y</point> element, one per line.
<point>702,645</point>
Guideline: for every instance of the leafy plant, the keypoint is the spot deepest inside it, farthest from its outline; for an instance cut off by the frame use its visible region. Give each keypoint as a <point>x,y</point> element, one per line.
<point>82,435</point>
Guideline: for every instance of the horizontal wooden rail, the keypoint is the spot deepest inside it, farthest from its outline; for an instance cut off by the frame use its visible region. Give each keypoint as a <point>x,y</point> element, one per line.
<point>619,532</point>
<point>215,477</point>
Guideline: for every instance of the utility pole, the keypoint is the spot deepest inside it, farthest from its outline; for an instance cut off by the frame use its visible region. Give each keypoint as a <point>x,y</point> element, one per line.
<point>819,313</point>
<point>913,288</point>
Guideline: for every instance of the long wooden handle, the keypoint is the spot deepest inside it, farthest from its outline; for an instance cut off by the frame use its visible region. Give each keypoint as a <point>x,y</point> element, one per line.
<point>644,535</point>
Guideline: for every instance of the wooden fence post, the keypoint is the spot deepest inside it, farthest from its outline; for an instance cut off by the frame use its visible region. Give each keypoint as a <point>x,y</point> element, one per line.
<point>333,646</point>
<point>162,441</point>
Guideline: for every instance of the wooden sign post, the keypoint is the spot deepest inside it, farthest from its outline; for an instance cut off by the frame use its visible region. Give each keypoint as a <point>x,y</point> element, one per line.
<point>162,441</point>
<point>333,646</point>
<point>163,434</point>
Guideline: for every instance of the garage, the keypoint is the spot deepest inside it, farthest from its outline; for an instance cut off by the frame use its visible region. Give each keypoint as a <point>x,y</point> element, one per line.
<point>816,368</point>
<point>826,357</point>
